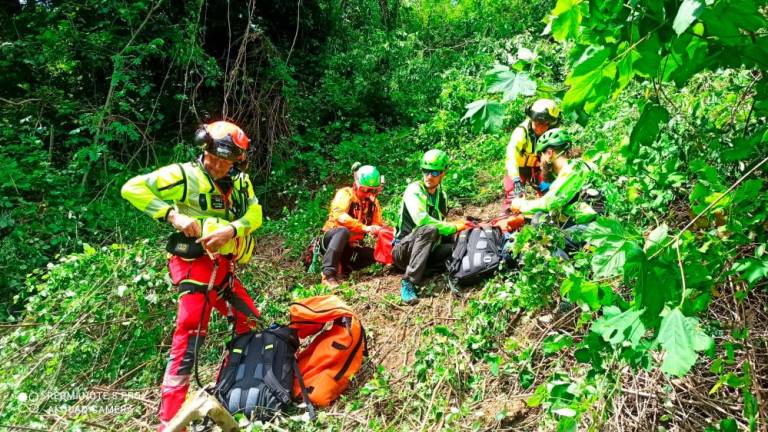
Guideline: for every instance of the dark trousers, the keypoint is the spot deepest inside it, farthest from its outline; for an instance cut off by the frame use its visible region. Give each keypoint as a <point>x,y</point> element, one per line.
<point>420,251</point>
<point>338,251</point>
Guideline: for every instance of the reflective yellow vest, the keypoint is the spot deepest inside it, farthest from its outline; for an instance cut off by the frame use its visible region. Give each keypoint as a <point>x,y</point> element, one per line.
<point>193,193</point>
<point>520,150</point>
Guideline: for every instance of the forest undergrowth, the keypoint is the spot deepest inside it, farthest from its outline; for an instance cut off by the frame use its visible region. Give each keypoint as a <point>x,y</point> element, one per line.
<point>660,323</point>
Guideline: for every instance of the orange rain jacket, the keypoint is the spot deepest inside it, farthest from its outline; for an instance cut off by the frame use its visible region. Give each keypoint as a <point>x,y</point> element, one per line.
<point>349,212</point>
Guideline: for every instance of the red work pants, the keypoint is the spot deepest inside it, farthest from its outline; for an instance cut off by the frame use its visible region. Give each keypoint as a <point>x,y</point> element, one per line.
<point>228,297</point>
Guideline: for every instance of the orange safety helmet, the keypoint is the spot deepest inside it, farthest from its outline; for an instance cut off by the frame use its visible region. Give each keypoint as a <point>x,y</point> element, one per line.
<point>224,140</point>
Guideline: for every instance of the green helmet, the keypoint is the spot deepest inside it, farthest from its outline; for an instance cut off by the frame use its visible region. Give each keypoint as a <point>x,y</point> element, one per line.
<point>368,175</point>
<point>555,138</point>
<point>435,160</point>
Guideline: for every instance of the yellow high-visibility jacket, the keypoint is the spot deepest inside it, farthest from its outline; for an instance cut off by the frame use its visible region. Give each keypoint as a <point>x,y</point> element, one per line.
<point>520,150</point>
<point>189,189</point>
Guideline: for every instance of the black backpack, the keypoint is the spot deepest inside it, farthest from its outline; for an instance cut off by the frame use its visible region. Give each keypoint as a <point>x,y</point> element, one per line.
<point>256,378</point>
<point>476,255</point>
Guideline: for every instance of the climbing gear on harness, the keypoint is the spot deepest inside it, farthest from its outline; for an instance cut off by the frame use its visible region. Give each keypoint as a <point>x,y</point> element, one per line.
<point>186,247</point>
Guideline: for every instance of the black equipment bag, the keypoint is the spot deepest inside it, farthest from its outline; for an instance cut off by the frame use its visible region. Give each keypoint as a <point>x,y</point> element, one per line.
<point>183,246</point>
<point>476,255</point>
<point>256,378</point>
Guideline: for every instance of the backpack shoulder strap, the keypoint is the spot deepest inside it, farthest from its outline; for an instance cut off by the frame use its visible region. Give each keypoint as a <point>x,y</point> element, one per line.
<point>304,393</point>
<point>459,249</point>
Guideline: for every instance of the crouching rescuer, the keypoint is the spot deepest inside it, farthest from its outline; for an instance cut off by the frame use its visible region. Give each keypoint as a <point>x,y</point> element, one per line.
<point>355,211</point>
<point>211,204</point>
<point>424,240</point>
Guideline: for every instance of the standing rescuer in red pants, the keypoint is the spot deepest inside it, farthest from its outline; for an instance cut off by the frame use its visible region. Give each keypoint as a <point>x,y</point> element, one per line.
<point>211,203</point>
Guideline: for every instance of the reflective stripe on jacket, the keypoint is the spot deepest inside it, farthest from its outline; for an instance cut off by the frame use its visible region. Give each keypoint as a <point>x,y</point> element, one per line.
<point>520,150</point>
<point>190,189</point>
<point>349,212</point>
<point>419,208</point>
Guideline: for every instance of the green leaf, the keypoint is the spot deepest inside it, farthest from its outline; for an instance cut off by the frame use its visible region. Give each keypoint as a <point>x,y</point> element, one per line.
<point>681,337</point>
<point>731,21</point>
<point>580,292</point>
<point>512,85</point>
<point>556,343</point>
<point>728,425</point>
<point>614,244</point>
<point>587,77</point>
<point>647,129</point>
<point>565,20</point>
<point>617,327</point>
<point>687,14</point>
<point>485,115</point>
<point>656,239</point>
<point>648,56</point>
<point>653,284</point>
<point>752,269</point>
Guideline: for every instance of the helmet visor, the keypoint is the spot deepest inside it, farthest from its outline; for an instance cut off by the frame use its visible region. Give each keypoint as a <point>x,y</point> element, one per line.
<point>543,117</point>
<point>225,149</point>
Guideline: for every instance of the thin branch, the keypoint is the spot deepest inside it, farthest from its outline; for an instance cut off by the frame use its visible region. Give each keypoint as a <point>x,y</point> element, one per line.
<point>744,94</point>
<point>296,34</point>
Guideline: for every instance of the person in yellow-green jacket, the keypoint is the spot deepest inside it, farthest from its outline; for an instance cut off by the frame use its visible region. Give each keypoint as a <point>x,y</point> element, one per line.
<point>522,164</point>
<point>211,204</point>
<point>424,239</point>
<point>568,192</point>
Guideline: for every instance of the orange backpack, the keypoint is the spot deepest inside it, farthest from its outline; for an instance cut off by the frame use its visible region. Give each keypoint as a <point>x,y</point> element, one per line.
<point>335,354</point>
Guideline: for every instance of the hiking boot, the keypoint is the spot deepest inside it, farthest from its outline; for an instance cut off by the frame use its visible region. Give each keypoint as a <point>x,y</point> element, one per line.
<point>408,292</point>
<point>330,281</point>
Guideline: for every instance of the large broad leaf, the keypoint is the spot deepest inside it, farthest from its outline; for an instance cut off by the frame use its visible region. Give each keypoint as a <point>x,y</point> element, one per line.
<point>565,20</point>
<point>687,14</point>
<point>649,56</point>
<point>689,56</point>
<point>653,283</point>
<point>591,78</point>
<point>614,245</point>
<point>582,292</point>
<point>732,21</point>
<point>752,269</point>
<point>485,115</point>
<point>512,85</point>
<point>647,129</point>
<point>681,337</point>
<point>617,327</point>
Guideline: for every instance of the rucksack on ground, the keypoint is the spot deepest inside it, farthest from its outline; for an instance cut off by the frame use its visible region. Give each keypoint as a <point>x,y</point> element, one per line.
<point>335,354</point>
<point>476,255</point>
<point>258,373</point>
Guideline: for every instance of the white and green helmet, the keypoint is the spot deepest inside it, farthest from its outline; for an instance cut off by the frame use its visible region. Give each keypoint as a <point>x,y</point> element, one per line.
<point>556,138</point>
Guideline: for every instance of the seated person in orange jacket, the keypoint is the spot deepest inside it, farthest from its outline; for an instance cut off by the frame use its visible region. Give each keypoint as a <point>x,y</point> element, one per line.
<point>355,212</point>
